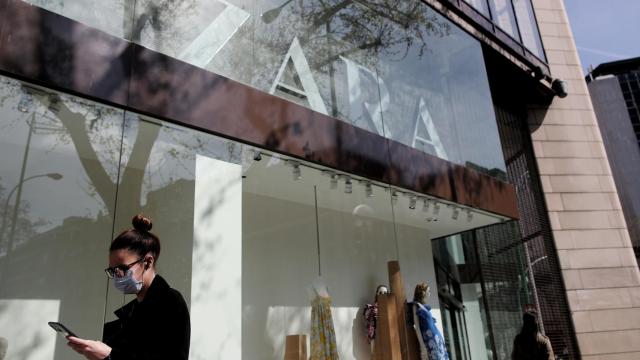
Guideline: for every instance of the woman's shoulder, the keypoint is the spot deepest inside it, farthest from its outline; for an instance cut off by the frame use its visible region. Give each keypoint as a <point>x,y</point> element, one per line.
<point>167,295</point>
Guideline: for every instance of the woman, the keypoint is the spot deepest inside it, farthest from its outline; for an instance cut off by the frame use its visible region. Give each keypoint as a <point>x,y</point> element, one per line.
<point>156,324</point>
<point>530,344</point>
<point>432,346</point>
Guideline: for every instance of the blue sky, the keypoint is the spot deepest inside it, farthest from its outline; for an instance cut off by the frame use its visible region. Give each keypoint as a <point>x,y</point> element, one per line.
<point>605,30</point>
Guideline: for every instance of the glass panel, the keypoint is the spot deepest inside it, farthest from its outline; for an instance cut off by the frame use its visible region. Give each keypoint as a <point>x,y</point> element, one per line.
<point>279,254</point>
<point>480,5</point>
<point>212,34</point>
<point>58,179</point>
<point>92,13</point>
<point>356,238</point>
<point>503,264</point>
<point>189,183</point>
<point>440,101</point>
<point>528,27</point>
<point>295,251</point>
<point>415,253</point>
<point>459,269</point>
<point>322,55</point>
<point>502,12</point>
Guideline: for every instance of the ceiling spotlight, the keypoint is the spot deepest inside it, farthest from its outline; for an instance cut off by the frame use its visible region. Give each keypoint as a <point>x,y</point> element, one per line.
<point>333,182</point>
<point>333,178</point>
<point>26,102</point>
<point>297,173</point>
<point>436,208</point>
<point>431,219</point>
<point>455,213</point>
<point>412,202</point>
<point>394,196</point>
<point>257,156</point>
<point>425,205</point>
<point>348,186</point>
<point>469,215</point>
<point>368,190</point>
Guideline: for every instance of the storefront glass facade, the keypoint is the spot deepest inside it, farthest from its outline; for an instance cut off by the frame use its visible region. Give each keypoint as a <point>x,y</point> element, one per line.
<point>397,69</point>
<point>245,236</point>
<point>249,235</point>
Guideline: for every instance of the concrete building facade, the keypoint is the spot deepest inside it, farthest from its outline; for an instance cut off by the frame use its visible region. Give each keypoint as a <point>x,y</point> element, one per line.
<point>598,264</point>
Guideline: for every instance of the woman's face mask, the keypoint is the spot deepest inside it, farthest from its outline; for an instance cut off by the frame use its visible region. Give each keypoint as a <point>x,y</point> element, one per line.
<point>128,284</point>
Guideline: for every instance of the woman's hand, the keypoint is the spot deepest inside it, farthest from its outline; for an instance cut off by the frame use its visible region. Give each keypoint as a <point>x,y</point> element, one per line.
<point>92,350</point>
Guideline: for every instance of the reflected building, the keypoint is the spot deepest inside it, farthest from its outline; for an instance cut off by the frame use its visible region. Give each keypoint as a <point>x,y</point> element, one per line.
<point>287,149</point>
<point>615,92</point>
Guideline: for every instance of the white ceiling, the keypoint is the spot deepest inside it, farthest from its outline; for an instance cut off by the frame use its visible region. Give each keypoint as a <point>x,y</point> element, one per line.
<point>273,177</point>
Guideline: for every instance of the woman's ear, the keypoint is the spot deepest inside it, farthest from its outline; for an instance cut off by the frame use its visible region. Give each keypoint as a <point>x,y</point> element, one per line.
<point>148,261</point>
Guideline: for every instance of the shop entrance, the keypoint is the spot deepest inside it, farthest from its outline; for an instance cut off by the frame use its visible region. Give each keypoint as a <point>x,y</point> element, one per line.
<point>454,323</point>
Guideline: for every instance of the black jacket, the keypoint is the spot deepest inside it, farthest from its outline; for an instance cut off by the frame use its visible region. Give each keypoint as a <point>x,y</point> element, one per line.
<point>158,328</point>
<point>532,347</point>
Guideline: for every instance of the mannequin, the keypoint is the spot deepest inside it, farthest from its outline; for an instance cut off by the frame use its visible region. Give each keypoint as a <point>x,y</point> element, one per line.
<point>323,336</point>
<point>371,317</point>
<point>432,346</point>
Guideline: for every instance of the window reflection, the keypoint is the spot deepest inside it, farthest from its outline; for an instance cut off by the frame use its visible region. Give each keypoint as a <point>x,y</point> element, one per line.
<point>528,27</point>
<point>92,13</point>
<point>57,189</point>
<point>480,5</point>
<point>394,68</point>
<point>440,98</point>
<point>502,12</point>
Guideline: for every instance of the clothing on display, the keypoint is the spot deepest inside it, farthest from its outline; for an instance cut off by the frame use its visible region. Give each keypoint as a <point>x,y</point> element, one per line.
<point>432,346</point>
<point>370,320</point>
<point>323,336</point>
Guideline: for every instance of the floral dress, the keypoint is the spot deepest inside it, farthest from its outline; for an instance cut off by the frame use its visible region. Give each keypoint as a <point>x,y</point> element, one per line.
<point>431,336</point>
<point>323,336</point>
<point>371,320</point>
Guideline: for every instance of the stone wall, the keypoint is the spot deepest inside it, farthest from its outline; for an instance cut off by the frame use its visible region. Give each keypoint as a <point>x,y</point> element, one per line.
<point>598,265</point>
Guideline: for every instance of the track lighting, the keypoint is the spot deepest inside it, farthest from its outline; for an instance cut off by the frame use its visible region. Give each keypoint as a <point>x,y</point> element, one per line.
<point>436,208</point>
<point>394,196</point>
<point>257,156</point>
<point>297,173</point>
<point>425,205</point>
<point>333,182</point>
<point>348,186</point>
<point>412,202</point>
<point>455,213</point>
<point>368,190</point>
<point>333,178</point>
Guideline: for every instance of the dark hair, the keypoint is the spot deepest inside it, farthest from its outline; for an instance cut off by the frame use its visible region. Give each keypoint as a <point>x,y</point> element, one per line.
<point>529,323</point>
<point>378,289</point>
<point>139,239</point>
<point>418,293</point>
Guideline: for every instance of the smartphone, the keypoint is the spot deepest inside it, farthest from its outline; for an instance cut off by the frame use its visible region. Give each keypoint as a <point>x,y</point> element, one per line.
<point>61,329</point>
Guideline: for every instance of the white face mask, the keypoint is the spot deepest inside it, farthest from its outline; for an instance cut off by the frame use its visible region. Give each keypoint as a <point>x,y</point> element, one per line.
<point>127,284</point>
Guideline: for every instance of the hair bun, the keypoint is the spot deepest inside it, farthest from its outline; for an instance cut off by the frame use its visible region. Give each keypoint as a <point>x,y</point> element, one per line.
<point>141,223</point>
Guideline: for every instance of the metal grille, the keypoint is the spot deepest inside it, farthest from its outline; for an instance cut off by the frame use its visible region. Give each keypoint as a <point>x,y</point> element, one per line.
<point>536,233</point>
<point>502,265</point>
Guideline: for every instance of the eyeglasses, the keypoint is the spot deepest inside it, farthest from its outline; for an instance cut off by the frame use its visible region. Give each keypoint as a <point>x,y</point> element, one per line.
<point>120,270</point>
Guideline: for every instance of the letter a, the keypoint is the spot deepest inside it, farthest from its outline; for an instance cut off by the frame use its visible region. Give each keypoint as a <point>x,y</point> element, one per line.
<point>427,133</point>
<point>309,93</point>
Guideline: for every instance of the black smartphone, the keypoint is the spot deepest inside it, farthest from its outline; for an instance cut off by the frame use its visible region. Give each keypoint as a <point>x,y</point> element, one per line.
<point>61,329</point>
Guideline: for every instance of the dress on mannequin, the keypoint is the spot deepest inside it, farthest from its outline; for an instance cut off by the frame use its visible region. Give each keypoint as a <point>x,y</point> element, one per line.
<point>371,317</point>
<point>432,346</point>
<point>323,336</point>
